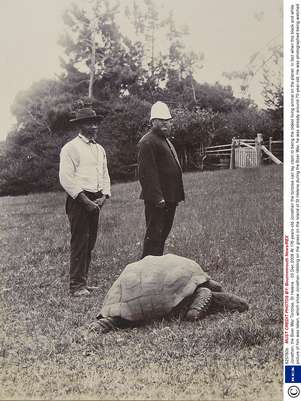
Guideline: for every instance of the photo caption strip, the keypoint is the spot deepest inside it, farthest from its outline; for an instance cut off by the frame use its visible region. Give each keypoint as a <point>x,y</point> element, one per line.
<point>292,247</point>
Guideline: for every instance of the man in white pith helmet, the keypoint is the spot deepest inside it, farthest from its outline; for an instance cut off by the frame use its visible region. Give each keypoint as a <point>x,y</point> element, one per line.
<point>160,176</point>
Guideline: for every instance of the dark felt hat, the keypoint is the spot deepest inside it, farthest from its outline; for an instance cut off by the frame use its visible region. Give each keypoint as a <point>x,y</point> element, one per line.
<point>85,115</point>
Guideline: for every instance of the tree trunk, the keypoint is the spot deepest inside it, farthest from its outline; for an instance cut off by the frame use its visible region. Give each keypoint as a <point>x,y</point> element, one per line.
<point>153,51</point>
<point>92,66</point>
<point>193,90</point>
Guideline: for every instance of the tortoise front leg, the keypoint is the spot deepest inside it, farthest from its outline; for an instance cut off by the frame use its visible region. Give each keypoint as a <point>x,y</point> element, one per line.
<point>200,304</point>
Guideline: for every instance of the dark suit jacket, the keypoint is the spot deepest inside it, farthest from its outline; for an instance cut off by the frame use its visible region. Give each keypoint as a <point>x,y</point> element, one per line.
<point>159,170</point>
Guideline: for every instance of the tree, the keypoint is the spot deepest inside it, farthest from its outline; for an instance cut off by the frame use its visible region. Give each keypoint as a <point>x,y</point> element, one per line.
<point>121,130</point>
<point>180,63</point>
<point>193,130</point>
<point>94,45</point>
<point>32,147</point>
<point>147,24</point>
<point>273,93</point>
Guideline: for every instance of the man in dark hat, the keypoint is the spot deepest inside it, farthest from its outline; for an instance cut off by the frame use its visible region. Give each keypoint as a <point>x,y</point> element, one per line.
<point>84,176</point>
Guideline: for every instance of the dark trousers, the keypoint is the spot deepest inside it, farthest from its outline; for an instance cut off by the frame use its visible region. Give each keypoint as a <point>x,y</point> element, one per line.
<point>83,227</point>
<point>158,225</point>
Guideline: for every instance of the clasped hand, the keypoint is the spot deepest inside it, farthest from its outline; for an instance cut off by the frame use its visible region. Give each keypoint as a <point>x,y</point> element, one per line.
<point>91,206</point>
<point>94,206</point>
<point>100,201</point>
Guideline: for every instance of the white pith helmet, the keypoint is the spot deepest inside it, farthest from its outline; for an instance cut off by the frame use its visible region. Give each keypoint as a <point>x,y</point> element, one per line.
<point>160,110</point>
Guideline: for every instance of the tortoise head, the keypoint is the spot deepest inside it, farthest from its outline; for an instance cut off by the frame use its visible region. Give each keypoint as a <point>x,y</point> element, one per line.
<point>225,301</point>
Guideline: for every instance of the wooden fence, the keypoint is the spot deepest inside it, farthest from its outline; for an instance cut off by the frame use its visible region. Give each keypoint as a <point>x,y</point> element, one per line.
<point>243,153</point>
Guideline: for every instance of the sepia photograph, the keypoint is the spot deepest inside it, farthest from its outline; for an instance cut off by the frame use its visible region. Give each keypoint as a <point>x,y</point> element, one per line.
<point>141,198</point>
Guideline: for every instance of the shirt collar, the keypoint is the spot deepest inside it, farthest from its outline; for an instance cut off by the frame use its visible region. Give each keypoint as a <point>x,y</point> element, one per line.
<point>85,139</point>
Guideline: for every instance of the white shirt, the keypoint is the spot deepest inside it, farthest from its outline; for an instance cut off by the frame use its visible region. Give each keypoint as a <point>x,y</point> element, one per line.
<point>83,167</point>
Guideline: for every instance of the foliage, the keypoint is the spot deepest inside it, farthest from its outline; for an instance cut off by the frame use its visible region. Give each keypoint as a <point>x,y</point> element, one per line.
<point>247,123</point>
<point>120,132</point>
<point>32,148</point>
<point>120,77</point>
<point>195,127</point>
<point>215,97</point>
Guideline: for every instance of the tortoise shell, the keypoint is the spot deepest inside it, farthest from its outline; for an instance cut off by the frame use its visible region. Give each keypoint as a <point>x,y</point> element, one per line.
<point>152,287</point>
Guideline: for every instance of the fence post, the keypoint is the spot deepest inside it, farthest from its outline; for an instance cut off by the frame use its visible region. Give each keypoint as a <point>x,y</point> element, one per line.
<point>258,143</point>
<point>232,156</point>
<point>270,144</point>
<point>270,147</point>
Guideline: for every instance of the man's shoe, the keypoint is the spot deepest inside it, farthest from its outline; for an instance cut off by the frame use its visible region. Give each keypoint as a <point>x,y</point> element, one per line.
<point>83,292</point>
<point>92,288</point>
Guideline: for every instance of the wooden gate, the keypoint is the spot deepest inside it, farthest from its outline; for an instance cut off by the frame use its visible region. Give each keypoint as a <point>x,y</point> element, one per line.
<point>245,157</point>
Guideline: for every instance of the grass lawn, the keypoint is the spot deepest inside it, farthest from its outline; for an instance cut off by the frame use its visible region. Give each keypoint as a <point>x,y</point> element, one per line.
<point>230,223</point>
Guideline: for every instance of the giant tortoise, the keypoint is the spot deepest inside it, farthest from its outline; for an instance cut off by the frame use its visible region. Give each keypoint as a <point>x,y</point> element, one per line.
<point>162,286</point>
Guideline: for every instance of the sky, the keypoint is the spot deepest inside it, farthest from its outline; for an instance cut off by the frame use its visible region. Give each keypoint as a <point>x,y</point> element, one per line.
<point>227,32</point>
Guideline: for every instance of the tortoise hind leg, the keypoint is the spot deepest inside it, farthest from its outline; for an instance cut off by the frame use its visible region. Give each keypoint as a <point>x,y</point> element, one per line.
<point>105,324</point>
<point>227,302</point>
